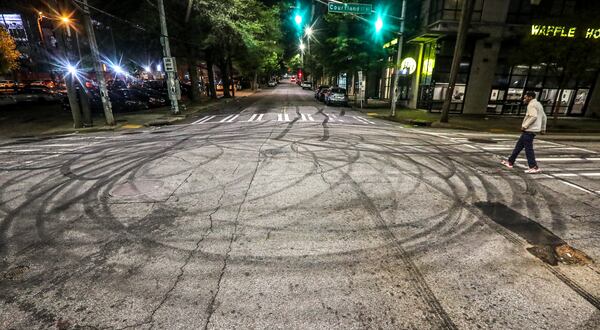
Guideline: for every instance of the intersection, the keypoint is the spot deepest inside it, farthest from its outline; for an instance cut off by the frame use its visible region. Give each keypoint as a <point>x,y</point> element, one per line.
<point>281,212</point>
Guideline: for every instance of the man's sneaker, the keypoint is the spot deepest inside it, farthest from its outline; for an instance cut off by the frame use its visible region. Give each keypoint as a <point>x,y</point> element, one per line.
<point>533,170</point>
<point>507,163</point>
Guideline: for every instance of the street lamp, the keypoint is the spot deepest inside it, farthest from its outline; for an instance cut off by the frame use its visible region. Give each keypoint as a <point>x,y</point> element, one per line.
<point>298,19</point>
<point>66,20</point>
<point>302,47</point>
<point>308,31</point>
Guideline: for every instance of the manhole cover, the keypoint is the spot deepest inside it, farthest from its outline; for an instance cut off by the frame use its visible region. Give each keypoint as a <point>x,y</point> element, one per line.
<point>488,141</point>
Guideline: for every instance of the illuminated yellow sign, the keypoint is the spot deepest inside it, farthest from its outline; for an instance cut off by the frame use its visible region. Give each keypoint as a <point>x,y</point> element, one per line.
<point>592,34</point>
<point>391,43</point>
<point>409,64</point>
<point>553,31</point>
<point>559,31</point>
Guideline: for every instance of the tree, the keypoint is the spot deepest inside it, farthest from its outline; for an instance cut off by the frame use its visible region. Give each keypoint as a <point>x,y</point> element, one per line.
<point>9,55</point>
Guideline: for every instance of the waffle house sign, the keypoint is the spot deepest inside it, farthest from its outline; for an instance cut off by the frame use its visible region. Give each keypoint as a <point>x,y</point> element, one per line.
<point>561,31</point>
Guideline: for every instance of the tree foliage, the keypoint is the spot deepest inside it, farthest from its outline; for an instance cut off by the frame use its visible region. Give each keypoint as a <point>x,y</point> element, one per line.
<point>9,55</point>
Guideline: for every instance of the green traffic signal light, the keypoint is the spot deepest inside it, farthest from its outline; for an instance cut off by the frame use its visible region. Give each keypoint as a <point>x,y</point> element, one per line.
<point>378,24</point>
<point>298,19</point>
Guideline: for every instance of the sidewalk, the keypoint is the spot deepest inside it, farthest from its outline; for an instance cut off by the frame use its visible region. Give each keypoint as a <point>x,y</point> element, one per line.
<point>574,129</point>
<point>36,120</point>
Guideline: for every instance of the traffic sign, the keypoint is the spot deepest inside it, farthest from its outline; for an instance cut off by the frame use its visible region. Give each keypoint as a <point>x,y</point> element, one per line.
<point>169,63</point>
<point>352,8</point>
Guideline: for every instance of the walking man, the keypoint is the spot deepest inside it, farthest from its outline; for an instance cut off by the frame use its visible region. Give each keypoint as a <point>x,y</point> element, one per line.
<point>534,123</point>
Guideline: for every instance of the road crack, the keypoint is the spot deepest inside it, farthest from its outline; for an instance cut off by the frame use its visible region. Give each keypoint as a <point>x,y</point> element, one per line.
<point>211,306</point>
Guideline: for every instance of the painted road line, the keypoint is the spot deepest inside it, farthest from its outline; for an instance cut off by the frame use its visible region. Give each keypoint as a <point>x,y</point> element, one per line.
<point>303,117</point>
<point>286,117</point>
<point>279,117</point>
<point>225,119</point>
<point>578,187</point>
<point>310,117</point>
<point>364,120</point>
<point>203,120</point>
<point>576,174</point>
<point>564,159</point>
<point>233,118</point>
<point>252,118</point>
<point>260,117</point>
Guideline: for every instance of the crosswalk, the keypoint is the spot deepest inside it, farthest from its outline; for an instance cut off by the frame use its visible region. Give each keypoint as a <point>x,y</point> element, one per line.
<point>285,117</point>
<point>573,166</point>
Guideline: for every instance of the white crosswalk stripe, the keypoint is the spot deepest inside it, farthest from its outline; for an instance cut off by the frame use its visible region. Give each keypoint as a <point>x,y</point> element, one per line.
<point>252,118</point>
<point>225,119</point>
<point>233,118</point>
<point>203,119</point>
<point>363,120</point>
<point>310,117</point>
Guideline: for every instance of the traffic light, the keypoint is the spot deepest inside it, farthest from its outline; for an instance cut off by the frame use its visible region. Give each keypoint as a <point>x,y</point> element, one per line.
<point>298,19</point>
<point>378,24</point>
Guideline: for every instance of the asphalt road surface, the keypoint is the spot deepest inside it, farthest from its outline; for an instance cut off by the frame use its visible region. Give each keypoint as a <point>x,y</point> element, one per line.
<point>281,213</point>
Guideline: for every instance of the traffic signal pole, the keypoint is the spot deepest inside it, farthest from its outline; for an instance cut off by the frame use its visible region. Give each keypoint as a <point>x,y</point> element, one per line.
<point>394,96</point>
<point>108,114</point>
<point>164,40</point>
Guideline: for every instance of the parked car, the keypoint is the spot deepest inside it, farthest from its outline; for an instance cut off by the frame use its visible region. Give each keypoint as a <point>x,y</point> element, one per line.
<point>43,83</point>
<point>122,100</point>
<point>320,92</point>
<point>293,79</point>
<point>6,100</point>
<point>336,95</point>
<point>151,97</point>
<point>6,84</point>
<point>306,85</point>
<point>272,83</point>
<point>37,94</point>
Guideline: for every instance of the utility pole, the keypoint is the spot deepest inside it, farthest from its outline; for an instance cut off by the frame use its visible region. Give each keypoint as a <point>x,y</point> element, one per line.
<point>108,114</point>
<point>395,91</point>
<point>164,40</point>
<point>461,40</point>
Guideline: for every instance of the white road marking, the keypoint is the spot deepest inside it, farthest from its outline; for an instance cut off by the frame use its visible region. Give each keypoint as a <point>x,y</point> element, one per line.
<point>577,187</point>
<point>252,118</point>
<point>225,119</point>
<point>576,174</point>
<point>565,159</point>
<point>303,117</point>
<point>310,117</point>
<point>279,117</point>
<point>260,117</point>
<point>203,120</point>
<point>286,117</point>
<point>233,118</point>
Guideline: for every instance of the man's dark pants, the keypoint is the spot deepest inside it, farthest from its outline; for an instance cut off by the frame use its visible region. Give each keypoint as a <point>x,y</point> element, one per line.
<point>525,141</point>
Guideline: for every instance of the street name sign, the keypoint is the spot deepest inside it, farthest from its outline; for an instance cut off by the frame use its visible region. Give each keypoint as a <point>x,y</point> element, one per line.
<point>351,8</point>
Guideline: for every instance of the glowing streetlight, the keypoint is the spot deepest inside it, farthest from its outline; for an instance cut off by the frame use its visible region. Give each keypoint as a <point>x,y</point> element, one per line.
<point>66,20</point>
<point>308,31</point>
<point>118,69</point>
<point>298,19</point>
<point>302,47</point>
<point>147,68</point>
<point>72,70</point>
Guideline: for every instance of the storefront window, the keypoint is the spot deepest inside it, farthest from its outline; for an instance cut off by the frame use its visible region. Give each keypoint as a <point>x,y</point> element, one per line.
<point>449,10</point>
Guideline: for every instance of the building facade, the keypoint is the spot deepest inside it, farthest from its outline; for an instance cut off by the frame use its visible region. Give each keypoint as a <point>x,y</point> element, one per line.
<point>489,79</point>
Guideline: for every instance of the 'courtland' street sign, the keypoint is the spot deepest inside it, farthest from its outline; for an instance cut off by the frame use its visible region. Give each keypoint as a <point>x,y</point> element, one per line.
<point>353,8</point>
